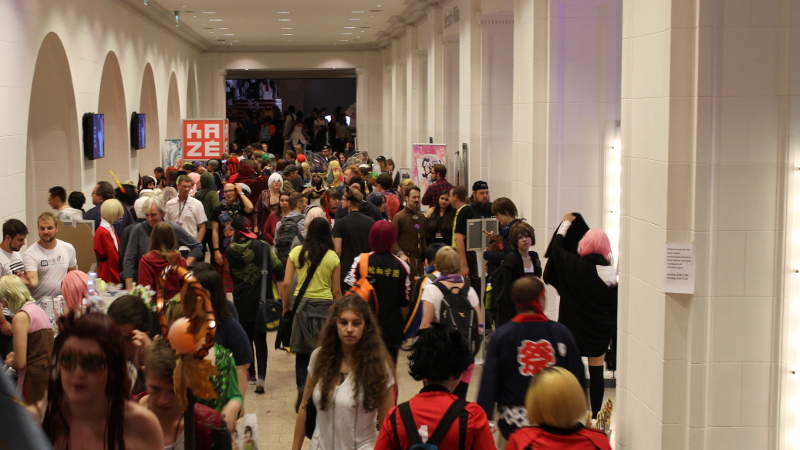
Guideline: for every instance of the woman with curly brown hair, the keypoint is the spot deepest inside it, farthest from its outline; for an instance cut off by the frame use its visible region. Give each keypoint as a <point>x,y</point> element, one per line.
<point>349,380</point>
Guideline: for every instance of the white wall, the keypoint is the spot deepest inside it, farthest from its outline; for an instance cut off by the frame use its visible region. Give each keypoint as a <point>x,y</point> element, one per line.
<point>87,30</point>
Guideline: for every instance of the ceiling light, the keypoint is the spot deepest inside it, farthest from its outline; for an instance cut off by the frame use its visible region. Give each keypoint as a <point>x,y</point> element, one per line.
<point>284,20</point>
<point>246,69</point>
<point>356,12</point>
<point>353,19</point>
<point>347,33</point>
<point>288,34</point>
<point>286,28</point>
<point>284,12</point>
<point>228,34</point>
<point>209,12</point>
<point>236,40</point>
<point>194,16</point>
<point>215,20</point>
<point>224,28</point>
<point>343,40</point>
<point>349,28</point>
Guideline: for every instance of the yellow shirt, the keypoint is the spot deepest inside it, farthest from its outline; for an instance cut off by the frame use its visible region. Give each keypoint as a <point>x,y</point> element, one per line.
<point>320,286</point>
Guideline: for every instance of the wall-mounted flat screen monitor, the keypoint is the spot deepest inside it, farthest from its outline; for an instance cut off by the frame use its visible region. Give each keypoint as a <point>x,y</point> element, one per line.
<point>138,131</point>
<point>93,136</point>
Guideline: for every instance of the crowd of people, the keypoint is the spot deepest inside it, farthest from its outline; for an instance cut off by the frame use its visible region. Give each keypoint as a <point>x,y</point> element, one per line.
<point>356,261</point>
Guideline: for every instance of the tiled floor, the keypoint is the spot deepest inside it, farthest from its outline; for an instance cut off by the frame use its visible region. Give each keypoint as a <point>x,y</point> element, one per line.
<point>275,408</point>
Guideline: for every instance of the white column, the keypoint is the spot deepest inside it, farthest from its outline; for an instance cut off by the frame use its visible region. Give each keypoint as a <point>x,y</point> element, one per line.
<point>436,89</point>
<point>470,84</point>
<point>707,125</point>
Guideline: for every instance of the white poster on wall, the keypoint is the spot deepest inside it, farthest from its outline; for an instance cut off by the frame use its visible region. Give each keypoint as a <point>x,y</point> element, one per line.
<point>679,272</point>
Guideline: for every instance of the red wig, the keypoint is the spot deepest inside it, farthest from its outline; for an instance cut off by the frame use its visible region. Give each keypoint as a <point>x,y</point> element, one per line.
<point>382,236</point>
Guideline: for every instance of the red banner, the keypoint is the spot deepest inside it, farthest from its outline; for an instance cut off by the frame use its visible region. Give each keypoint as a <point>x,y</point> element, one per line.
<point>204,138</point>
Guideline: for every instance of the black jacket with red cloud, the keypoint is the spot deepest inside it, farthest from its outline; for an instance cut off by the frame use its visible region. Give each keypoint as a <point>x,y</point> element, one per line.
<point>519,350</point>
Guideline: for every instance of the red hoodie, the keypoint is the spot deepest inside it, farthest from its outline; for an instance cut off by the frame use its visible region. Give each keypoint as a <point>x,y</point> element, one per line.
<point>152,265</point>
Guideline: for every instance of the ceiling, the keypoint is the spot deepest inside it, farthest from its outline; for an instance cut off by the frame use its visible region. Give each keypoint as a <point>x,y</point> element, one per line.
<point>284,23</point>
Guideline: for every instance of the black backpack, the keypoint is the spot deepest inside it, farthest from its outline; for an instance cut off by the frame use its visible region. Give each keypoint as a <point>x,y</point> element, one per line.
<point>457,410</point>
<point>457,312</point>
<point>285,236</point>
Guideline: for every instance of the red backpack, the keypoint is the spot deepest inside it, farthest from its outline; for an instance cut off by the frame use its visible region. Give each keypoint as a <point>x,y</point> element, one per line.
<point>362,286</point>
<point>392,203</point>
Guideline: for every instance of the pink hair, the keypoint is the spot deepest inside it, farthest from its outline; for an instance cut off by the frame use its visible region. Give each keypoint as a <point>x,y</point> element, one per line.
<point>74,288</point>
<point>382,236</point>
<point>596,241</point>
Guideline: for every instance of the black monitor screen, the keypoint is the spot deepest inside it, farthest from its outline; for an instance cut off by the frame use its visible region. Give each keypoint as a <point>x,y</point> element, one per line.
<point>138,131</point>
<point>93,136</point>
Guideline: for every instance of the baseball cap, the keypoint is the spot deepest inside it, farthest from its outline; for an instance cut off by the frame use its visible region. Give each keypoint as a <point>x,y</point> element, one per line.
<point>480,185</point>
<point>380,158</point>
<point>242,225</point>
<point>290,168</point>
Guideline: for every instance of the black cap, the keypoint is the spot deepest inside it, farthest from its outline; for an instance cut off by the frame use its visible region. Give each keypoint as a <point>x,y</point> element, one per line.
<point>242,225</point>
<point>480,185</point>
<point>380,158</point>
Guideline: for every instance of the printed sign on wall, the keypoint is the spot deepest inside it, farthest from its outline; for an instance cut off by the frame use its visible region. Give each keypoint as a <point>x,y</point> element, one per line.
<point>204,138</point>
<point>425,157</point>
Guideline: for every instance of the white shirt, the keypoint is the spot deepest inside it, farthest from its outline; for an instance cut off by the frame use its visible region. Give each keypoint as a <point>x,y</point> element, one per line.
<point>434,296</point>
<point>51,266</point>
<point>188,215</point>
<point>344,426</point>
<point>10,262</point>
<point>69,214</point>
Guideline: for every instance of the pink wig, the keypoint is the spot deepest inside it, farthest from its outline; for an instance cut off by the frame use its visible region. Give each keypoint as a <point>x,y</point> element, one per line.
<point>596,241</point>
<point>382,236</point>
<point>313,213</point>
<point>74,288</point>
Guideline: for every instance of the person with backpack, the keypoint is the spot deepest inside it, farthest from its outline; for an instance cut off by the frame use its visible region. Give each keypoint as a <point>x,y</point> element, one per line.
<point>288,231</point>
<point>248,258</point>
<point>556,403</point>
<point>415,308</point>
<point>438,358</point>
<point>318,285</point>
<point>519,350</point>
<point>451,301</point>
<point>386,277</point>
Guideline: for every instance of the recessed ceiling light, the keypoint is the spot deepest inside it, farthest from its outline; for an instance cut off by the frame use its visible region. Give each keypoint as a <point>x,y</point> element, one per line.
<point>356,12</point>
<point>362,31</point>
<point>288,34</point>
<point>224,28</point>
<point>347,33</point>
<point>286,28</point>
<point>284,20</point>
<point>211,32</point>
<point>353,19</point>
<point>349,28</point>
<point>228,34</point>
<point>343,40</point>
<point>236,41</point>
<point>215,20</point>
<point>284,12</point>
<point>194,16</point>
<point>246,69</point>
<point>209,12</point>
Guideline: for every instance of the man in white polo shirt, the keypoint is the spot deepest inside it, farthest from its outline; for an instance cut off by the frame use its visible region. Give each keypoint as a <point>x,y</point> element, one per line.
<point>186,211</point>
<point>49,260</point>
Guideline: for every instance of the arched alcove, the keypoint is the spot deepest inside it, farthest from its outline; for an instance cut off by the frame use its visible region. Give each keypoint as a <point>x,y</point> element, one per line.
<point>173,109</point>
<point>149,157</point>
<point>53,156</point>
<point>112,105</point>
<point>191,95</point>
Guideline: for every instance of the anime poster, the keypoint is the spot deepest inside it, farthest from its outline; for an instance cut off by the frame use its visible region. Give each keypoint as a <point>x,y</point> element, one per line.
<point>425,157</point>
<point>172,152</point>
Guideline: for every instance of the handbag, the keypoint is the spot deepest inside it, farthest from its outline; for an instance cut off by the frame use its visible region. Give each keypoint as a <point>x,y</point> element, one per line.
<point>269,311</point>
<point>311,417</point>
<point>284,338</point>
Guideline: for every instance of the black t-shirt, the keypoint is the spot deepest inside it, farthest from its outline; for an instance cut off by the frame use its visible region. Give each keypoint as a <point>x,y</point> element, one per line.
<point>391,284</point>
<point>471,212</point>
<point>354,231</point>
<point>224,215</point>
